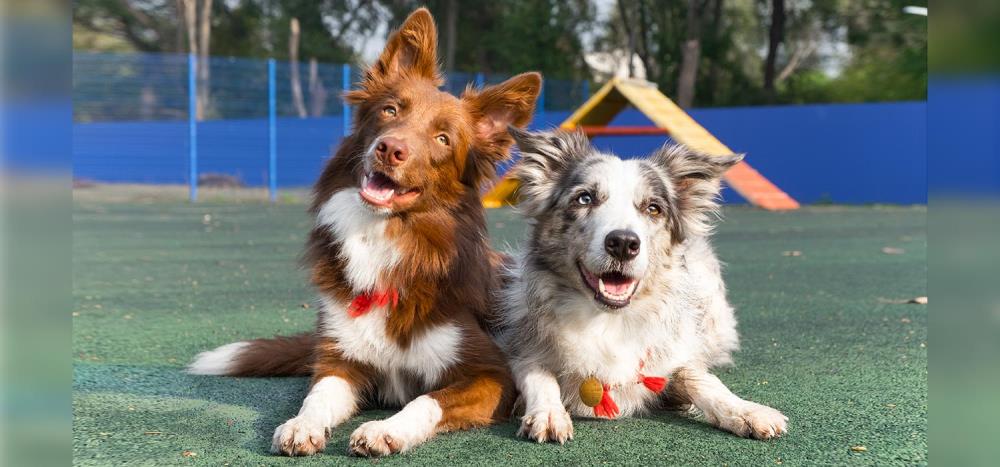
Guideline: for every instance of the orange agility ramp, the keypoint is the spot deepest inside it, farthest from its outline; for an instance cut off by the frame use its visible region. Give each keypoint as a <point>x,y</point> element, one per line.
<point>669,119</point>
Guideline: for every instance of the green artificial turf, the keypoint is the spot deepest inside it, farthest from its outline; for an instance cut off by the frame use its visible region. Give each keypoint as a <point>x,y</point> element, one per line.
<point>827,338</point>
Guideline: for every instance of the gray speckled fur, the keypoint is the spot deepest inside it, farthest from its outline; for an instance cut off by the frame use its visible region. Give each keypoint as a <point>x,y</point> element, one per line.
<point>678,323</point>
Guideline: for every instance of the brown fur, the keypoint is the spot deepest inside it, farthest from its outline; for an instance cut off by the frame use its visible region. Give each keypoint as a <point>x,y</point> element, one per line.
<point>279,356</point>
<point>448,271</point>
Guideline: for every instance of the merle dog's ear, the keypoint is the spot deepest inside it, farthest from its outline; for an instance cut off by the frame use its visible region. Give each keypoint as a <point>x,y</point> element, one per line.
<point>696,180</point>
<point>545,157</point>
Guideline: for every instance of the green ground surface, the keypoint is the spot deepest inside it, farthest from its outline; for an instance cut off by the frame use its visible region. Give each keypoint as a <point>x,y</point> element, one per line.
<point>826,339</point>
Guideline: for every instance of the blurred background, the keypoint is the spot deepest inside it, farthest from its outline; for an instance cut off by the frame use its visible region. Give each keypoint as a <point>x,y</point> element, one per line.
<point>246,93</point>
<point>91,86</point>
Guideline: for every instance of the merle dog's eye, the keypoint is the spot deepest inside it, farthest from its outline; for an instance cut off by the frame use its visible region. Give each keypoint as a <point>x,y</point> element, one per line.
<point>654,210</point>
<point>584,199</point>
<point>443,139</point>
<point>389,111</point>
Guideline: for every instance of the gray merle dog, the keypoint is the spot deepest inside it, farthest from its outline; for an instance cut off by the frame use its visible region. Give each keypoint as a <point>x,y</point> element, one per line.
<point>617,304</point>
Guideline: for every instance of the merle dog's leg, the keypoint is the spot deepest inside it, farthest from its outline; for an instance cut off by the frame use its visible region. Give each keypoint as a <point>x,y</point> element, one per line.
<point>545,418</point>
<point>726,410</point>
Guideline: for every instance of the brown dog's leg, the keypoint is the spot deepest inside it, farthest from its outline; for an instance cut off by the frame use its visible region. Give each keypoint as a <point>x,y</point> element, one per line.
<point>473,393</point>
<point>337,386</point>
<point>475,400</point>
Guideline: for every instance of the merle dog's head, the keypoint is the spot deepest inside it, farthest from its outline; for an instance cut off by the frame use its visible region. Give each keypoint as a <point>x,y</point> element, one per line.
<point>602,224</point>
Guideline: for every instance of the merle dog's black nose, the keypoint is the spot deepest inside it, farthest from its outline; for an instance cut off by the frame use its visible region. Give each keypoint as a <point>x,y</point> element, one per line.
<point>622,244</point>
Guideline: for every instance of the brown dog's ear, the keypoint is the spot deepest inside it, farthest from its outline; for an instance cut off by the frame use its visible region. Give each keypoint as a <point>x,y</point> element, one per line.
<point>411,51</point>
<point>493,109</point>
<point>511,103</point>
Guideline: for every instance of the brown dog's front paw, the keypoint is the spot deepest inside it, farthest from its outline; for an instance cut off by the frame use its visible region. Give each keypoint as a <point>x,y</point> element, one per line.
<point>298,437</point>
<point>544,425</point>
<point>377,438</point>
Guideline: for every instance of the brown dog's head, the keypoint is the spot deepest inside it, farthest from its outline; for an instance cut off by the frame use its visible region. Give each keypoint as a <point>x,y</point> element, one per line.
<point>423,147</point>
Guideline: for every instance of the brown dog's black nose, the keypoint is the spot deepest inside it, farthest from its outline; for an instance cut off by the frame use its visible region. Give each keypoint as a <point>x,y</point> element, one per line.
<point>392,151</point>
<point>622,244</point>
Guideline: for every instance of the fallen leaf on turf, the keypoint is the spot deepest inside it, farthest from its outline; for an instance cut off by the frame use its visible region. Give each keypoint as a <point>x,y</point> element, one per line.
<point>791,253</point>
<point>189,454</point>
<point>918,301</point>
<point>859,448</point>
<point>904,320</point>
<point>153,433</point>
<point>892,250</point>
<point>305,305</point>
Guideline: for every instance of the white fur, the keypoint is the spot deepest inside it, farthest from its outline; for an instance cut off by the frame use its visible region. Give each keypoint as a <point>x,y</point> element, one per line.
<point>678,324</point>
<point>369,253</point>
<point>364,339</point>
<point>620,211</point>
<point>545,418</point>
<point>409,427</point>
<point>218,361</point>
<point>361,232</point>
<point>330,402</point>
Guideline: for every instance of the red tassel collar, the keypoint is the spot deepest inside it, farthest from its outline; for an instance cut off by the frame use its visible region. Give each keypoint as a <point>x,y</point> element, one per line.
<point>363,303</point>
<point>607,407</point>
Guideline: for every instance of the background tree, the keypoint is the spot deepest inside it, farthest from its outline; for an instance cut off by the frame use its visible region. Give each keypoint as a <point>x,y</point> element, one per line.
<point>703,52</point>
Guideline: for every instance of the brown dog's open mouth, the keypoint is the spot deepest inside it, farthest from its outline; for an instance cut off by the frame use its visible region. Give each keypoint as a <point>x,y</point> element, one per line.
<point>613,288</point>
<point>378,189</point>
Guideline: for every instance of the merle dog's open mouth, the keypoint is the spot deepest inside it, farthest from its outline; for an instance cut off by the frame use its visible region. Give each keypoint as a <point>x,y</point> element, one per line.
<point>613,288</point>
<point>380,190</point>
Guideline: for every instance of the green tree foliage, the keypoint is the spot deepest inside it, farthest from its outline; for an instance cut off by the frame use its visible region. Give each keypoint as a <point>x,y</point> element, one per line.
<point>829,50</point>
<point>511,36</point>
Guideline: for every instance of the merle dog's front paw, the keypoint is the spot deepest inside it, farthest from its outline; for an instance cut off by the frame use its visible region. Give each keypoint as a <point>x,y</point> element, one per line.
<point>552,424</point>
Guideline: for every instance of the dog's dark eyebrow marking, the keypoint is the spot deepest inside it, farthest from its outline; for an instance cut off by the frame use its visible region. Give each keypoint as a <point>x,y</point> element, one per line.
<point>576,175</point>
<point>654,181</point>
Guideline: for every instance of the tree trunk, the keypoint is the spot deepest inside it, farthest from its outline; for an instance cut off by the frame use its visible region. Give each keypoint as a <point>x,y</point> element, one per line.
<point>717,52</point>
<point>191,24</point>
<point>642,45</point>
<point>451,23</point>
<point>690,55</point>
<point>775,37</point>
<point>179,37</point>
<point>629,36</point>
<point>317,92</point>
<point>204,47</point>
<point>293,55</point>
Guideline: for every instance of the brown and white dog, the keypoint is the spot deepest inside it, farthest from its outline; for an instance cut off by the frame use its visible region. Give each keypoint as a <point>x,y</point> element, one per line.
<point>400,258</point>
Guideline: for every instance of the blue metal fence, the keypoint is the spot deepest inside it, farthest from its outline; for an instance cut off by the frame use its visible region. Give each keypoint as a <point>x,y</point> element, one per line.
<point>255,118</point>
<point>133,123</point>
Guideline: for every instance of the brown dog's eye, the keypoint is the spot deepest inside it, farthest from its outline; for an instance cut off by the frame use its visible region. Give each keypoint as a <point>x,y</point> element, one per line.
<point>389,111</point>
<point>585,199</point>
<point>654,210</point>
<point>443,139</point>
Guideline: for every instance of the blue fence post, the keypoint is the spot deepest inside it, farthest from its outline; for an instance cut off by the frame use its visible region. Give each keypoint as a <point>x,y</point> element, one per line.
<point>272,133</point>
<point>480,80</point>
<point>345,108</point>
<point>192,128</point>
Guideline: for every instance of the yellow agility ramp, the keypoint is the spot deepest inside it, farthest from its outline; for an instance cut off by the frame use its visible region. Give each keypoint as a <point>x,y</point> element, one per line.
<point>669,119</point>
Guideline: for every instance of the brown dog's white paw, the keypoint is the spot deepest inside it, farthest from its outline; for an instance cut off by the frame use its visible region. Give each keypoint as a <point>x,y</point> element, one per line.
<point>545,425</point>
<point>298,437</point>
<point>752,420</point>
<point>378,438</point>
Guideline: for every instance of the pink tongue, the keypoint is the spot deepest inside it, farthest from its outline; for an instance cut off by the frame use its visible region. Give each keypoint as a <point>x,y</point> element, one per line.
<point>617,288</point>
<point>377,189</point>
